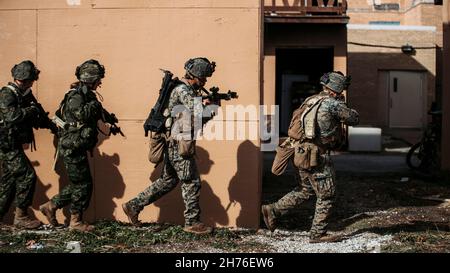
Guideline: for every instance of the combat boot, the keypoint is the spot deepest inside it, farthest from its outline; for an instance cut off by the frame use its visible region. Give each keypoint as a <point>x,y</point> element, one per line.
<point>22,220</point>
<point>132,214</point>
<point>49,211</point>
<point>325,238</point>
<point>198,228</point>
<point>77,224</point>
<point>269,217</point>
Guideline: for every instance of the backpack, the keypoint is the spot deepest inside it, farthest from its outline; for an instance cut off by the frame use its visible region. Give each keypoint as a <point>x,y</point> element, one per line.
<point>156,119</point>
<point>303,123</point>
<point>59,111</point>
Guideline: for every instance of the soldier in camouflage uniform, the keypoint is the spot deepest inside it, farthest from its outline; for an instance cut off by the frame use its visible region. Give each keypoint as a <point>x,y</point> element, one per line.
<point>18,116</point>
<point>81,110</point>
<point>177,167</point>
<point>318,180</point>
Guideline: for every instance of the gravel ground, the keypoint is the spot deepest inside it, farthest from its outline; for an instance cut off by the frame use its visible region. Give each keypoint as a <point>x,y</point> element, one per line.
<point>298,242</point>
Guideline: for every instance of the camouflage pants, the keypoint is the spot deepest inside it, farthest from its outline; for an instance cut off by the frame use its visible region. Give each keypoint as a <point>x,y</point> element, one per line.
<point>18,178</point>
<point>176,169</point>
<point>78,192</point>
<point>319,181</point>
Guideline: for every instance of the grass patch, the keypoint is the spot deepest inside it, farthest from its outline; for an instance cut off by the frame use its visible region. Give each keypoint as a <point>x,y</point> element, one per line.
<point>424,242</point>
<point>112,236</point>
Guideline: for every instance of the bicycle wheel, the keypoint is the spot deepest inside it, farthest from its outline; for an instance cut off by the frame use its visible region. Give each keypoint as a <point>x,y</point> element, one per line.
<point>414,158</point>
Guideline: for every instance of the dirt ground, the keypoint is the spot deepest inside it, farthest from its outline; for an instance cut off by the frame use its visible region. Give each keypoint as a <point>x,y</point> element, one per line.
<point>380,211</point>
<point>381,199</point>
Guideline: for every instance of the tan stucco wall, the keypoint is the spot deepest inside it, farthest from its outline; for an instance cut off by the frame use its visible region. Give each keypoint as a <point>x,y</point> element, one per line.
<point>133,39</point>
<point>301,36</point>
<point>446,90</point>
<point>365,62</point>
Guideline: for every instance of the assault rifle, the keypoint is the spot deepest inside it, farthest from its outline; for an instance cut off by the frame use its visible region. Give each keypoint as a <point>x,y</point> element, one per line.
<point>112,120</point>
<point>215,97</point>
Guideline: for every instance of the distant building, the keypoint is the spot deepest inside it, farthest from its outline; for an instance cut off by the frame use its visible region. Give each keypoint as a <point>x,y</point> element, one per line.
<point>394,58</point>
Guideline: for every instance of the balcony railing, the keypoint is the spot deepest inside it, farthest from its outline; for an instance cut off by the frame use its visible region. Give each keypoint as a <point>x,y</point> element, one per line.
<point>306,7</point>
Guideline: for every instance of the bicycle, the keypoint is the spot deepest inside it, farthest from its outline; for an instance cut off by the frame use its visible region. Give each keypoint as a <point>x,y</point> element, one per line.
<point>424,156</point>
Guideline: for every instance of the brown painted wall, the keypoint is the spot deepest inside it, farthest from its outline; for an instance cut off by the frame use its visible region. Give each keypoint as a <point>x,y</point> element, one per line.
<point>446,90</point>
<point>133,39</point>
<point>298,36</point>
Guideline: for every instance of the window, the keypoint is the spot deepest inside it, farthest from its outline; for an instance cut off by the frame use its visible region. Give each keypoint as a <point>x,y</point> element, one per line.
<point>387,7</point>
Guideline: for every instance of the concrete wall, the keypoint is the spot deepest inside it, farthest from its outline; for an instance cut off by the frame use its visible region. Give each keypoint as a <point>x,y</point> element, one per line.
<point>366,64</point>
<point>133,39</point>
<point>301,36</point>
<point>446,90</point>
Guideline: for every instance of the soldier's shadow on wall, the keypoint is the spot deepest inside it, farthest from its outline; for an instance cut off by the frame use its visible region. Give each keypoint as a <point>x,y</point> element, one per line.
<point>172,206</point>
<point>109,184</point>
<point>40,194</point>
<point>239,190</point>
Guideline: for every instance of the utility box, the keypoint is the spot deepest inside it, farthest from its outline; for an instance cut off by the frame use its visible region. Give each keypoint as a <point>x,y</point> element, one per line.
<point>364,139</point>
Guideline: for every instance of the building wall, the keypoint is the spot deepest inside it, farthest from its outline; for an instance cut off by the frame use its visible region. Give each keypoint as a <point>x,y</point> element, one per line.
<point>419,25</point>
<point>300,36</point>
<point>446,90</point>
<point>133,39</point>
<point>366,63</point>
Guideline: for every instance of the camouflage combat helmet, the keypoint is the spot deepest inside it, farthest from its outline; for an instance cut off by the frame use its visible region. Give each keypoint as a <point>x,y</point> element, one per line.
<point>90,71</point>
<point>200,67</point>
<point>336,81</point>
<point>25,70</point>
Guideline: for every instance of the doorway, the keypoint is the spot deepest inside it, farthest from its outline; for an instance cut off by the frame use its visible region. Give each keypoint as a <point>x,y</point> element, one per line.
<point>298,71</point>
<point>406,99</point>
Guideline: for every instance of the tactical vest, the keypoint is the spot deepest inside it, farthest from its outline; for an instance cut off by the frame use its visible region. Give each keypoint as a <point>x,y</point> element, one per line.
<point>304,119</point>
<point>60,112</point>
<point>21,133</point>
<point>82,135</point>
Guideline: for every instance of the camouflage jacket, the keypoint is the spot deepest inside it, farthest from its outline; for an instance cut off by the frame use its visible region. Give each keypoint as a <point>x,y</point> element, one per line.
<point>185,107</point>
<point>17,117</point>
<point>81,109</point>
<point>331,114</point>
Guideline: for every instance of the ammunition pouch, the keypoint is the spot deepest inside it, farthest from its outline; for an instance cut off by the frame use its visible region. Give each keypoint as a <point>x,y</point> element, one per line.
<point>306,156</point>
<point>23,133</point>
<point>186,148</point>
<point>89,138</point>
<point>157,145</point>
<point>79,138</point>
